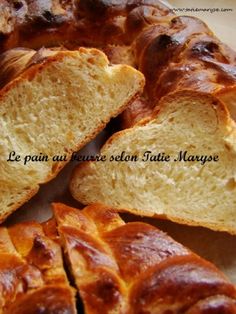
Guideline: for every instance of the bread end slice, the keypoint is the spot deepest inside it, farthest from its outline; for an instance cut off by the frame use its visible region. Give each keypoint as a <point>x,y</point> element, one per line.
<point>54,108</point>
<point>190,192</point>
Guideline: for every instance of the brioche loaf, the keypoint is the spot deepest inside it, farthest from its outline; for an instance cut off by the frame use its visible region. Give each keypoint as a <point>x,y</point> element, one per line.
<point>135,268</point>
<point>182,54</point>
<point>32,276</point>
<point>118,267</point>
<point>52,106</point>
<point>173,52</point>
<point>186,190</point>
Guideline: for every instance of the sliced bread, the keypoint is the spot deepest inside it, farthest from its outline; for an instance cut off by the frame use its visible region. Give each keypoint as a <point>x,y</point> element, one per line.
<point>190,126</point>
<point>51,109</point>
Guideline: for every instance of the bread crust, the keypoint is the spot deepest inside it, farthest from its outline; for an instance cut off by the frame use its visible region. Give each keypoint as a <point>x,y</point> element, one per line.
<point>84,23</point>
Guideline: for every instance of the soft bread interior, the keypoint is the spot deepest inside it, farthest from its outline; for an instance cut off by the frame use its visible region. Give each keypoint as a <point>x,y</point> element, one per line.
<point>55,108</point>
<point>186,192</point>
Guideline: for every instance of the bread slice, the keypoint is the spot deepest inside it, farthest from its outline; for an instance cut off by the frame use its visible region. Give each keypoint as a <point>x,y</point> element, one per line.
<point>54,108</point>
<point>135,268</point>
<point>190,192</point>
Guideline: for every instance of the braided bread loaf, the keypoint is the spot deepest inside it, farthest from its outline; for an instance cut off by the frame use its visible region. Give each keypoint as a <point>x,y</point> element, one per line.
<point>173,52</point>
<point>32,277</point>
<point>118,267</point>
<point>134,268</point>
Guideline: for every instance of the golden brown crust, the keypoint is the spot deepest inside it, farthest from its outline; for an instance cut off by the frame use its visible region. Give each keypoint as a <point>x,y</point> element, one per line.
<point>148,271</point>
<point>205,65</point>
<point>15,61</point>
<point>214,305</point>
<point>32,276</point>
<point>91,262</point>
<point>184,54</point>
<point>52,299</point>
<point>179,281</point>
<point>54,22</point>
<point>50,229</point>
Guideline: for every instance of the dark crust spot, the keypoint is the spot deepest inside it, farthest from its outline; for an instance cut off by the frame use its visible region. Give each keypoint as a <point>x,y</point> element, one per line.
<point>96,8</point>
<point>104,294</point>
<point>41,249</point>
<point>17,5</point>
<point>49,16</point>
<point>205,49</point>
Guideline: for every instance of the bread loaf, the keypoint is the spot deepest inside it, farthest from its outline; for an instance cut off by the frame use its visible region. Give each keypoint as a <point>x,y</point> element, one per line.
<point>173,52</point>
<point>135,268</point>
<point>53,103</point>
<point>190,186</point>
<point>181,54</point>
<point>32,276</point>
<point>117,267</point>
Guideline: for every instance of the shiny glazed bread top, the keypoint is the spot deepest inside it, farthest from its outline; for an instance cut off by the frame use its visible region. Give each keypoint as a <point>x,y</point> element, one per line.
<point>133,267</point>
